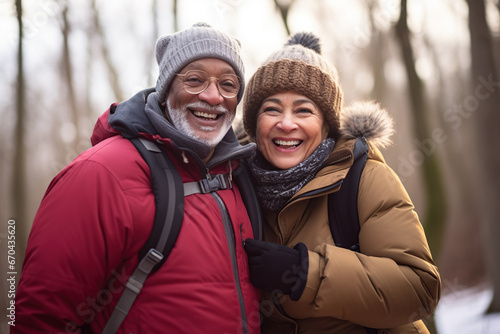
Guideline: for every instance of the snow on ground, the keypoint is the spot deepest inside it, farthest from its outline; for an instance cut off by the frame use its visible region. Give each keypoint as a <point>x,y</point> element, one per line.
<point>462,312</point>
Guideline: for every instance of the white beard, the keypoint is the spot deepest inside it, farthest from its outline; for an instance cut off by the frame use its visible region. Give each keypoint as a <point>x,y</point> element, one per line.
<point>180,122</point>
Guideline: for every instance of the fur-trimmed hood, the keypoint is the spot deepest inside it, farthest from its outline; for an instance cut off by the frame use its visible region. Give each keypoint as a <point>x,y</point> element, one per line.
<point>369,120</point>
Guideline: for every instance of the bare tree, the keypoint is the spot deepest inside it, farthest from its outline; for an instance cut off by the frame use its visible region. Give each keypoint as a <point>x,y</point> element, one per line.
<point>377,56</point>
<point>150,60</point>
<point>68,72</point>
<point>175,12</point>
<point>284,7</point>
<point>19,168</point>
<point>88,72</point>
<point>461,257</point>
<point>486,95</point>
<point>113,73</point>
<point>433,184</point>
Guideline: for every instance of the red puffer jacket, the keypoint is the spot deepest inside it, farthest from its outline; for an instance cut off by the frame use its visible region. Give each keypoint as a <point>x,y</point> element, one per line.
<point>93,220</point>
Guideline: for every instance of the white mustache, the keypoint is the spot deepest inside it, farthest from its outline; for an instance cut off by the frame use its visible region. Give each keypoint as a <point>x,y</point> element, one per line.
<point>206,106</point>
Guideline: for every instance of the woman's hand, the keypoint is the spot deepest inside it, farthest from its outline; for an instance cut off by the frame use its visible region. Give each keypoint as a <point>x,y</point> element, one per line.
<point>278,268</point>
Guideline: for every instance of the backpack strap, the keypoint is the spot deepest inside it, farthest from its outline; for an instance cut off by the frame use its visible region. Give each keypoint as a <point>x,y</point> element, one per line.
<point>169,203</point>
<point>205,186</point>
<point>169,192</point>
<point>343,205</point>
<point>169,199</point>
<point>222,181</point>
<point>244,180</point>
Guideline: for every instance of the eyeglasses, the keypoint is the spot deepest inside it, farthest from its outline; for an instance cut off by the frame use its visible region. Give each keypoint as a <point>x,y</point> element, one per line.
<point>195,82</point>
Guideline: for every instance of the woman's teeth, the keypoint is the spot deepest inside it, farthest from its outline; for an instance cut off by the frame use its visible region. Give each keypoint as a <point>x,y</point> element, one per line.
<point>288,143</point>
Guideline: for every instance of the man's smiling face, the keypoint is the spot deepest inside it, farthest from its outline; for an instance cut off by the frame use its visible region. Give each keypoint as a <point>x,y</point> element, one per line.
<point>206,116</point>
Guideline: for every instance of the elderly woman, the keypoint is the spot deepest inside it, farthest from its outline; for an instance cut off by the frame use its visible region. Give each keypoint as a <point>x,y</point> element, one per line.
<point>292,109</point>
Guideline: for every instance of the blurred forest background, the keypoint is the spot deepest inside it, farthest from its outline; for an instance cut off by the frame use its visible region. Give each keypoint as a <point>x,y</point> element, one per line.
<point>434,65</point>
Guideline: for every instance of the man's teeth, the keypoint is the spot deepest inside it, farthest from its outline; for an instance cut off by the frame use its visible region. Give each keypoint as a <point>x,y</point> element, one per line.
<point>204,115</point>
<point>287,142</point>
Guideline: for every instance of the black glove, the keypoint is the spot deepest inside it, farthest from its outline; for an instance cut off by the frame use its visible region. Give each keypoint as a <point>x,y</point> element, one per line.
<point>277,267</point>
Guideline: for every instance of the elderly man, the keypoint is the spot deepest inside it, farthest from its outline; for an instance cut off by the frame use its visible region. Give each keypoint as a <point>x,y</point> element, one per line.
<point>98,212</point>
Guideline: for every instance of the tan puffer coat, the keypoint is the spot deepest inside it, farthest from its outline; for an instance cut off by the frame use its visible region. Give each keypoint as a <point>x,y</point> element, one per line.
<point>392,283</point>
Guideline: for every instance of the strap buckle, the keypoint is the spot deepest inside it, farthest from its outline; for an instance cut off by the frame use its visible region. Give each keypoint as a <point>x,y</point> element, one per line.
<point>218,182</point>
<point>152,258</point>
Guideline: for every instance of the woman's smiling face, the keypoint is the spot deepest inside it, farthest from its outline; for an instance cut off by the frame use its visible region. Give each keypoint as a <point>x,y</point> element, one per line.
<point>289,128</point>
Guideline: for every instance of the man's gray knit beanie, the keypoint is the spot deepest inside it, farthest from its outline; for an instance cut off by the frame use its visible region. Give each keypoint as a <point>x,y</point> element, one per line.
<point>175,51</point>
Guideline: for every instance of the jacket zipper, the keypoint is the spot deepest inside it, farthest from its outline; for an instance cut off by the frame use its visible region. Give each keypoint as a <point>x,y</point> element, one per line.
<point>319,191</point>
<point>316,192</point>
<point>241,236</point>
<point>311,193</point>
<point>231,241</point>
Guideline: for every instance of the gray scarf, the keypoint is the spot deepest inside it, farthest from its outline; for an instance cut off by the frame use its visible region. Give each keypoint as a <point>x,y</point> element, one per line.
<point>276,186</point>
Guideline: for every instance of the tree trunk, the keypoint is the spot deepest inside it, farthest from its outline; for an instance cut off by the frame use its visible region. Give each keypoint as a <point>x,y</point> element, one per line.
<point>461,260</point>
<point>284,8</point>
<point>19,168</point>
<point>88,70</point>
<point>68,74</point>
<point>175,14</point>
<point>377,56</point>
<point>151,59</point>
<point>483,104</point>
<point>113,73</point>
<point>434,189</point>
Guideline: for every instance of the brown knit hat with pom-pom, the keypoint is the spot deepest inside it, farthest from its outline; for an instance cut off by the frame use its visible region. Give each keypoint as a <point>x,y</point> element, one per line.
<point>298,67</point>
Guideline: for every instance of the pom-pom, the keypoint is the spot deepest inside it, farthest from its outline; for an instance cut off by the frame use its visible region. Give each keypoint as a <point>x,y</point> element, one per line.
<point>306,39</point>
<point>202,24</point>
